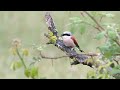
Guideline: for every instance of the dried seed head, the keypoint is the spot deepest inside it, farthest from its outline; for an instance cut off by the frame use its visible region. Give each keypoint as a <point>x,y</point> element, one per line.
<point>16,42</point>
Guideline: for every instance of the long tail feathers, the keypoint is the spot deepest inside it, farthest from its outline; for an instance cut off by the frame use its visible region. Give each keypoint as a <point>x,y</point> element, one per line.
<point>80,50</point>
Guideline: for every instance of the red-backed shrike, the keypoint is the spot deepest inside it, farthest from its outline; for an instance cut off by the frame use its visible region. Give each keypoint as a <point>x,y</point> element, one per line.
<point>70,41</point>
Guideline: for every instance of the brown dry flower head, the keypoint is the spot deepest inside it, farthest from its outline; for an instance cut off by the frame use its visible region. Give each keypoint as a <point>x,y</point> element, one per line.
<point>16,42</point>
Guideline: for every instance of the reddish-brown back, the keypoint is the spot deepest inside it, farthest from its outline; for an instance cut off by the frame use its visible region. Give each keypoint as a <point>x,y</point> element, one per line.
<point>75,41</point>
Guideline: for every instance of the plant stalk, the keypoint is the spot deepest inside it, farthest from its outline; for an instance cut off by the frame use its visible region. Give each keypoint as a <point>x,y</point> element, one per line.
<point>22,60</point>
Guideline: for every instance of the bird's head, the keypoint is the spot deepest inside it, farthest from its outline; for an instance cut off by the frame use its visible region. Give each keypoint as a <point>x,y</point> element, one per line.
<point>66,33</point>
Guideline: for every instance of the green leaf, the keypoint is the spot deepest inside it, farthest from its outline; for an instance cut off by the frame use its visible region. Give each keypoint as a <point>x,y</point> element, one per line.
<point>93,13</point>
<point>25,52</point>
<point>108,54</point>
<point>27,73</point>
<point>16,65</point>
<point>75,19</point>
<point>100,35</point>
<point>12,66</point>
<point>115,71</point>
<point>117,67</point>
<point>112,34</point>
<point>19,64</point>
<point>72,29</point>
<point>82,29</point>
<point>91,74</point>
<point>101,76</point>
<point>34,72</point>
<point>110,15</point>
<point>104,48</point>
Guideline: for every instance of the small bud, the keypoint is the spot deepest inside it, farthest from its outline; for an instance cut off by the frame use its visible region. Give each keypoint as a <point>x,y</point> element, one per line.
<point>50,34</point>
<point>25,52</point>
<point>53,39</point>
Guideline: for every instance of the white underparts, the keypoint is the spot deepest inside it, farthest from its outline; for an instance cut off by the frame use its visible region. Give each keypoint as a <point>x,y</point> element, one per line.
<point>68,41</point>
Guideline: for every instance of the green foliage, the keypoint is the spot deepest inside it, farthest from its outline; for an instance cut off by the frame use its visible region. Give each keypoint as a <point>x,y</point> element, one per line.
<point>102,14</point>
<point>112,34</point>
<point>94,13</point>
<point>31,72</point>
<point>102,72</point>
<point>109,15</point>
<point>100,35</point>
<point>115,71</point>
<point>27,73</point>
<point>110,47</point>
<point>34,72</point>
<point>82,29</point>
<point>16,65</point>
<point>77,24</point>
<point>76,20</point>
<point>25,52</point>
<point>52,38</point>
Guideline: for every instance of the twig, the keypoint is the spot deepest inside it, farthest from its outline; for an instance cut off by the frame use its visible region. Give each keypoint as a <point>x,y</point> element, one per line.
<point>101,18</point>
<point>22,60</point>
<point>94,20</point>
<point>116,41</point>
<point>116,61</point>
<point>46,57</point>
<point>92,54</point>
<point>118,54</point>
<point>102,29</point>
<point>82,14</point>
<point>91,25</point>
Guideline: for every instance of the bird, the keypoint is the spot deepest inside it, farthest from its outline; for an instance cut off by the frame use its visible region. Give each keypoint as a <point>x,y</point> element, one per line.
<point>70,41</point>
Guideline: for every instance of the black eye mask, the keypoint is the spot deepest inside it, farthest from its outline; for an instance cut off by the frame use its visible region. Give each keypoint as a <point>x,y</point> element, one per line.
<point>65,35</point>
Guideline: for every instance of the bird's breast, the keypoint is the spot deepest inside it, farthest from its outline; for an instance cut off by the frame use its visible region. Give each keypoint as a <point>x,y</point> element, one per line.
<point>68,41</point>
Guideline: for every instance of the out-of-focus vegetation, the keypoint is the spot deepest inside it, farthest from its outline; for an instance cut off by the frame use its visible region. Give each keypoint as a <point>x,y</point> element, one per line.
<point>30,27</point>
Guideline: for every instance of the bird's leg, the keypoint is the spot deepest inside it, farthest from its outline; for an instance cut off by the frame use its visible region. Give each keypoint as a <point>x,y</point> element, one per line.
<point>81,50</point>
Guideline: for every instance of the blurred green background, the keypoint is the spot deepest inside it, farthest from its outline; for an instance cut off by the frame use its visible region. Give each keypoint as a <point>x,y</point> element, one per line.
<point>30,26</point>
